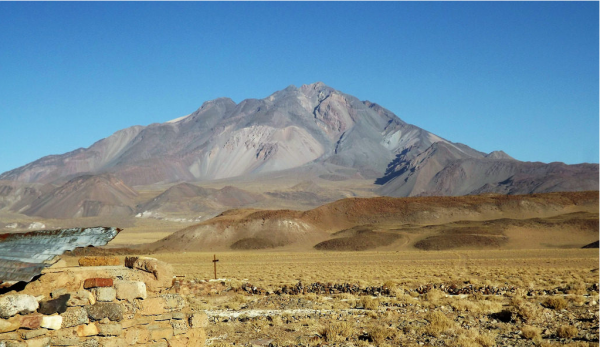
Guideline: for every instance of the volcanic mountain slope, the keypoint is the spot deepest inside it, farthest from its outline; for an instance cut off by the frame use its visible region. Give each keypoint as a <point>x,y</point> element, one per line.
<point>186,197</point>
<point>18,196</point>
<point>313,126</point>
<point>85,196</point>
<point>400,223</point>
<point>292,127</point>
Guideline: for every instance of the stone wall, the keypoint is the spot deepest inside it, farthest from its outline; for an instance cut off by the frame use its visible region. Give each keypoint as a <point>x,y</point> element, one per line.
<point>101,305</point>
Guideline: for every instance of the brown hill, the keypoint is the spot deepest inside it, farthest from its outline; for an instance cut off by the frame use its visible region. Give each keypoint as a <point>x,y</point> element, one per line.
<point>86,196</point>
<point>514,221</point>
<point>248,229</point>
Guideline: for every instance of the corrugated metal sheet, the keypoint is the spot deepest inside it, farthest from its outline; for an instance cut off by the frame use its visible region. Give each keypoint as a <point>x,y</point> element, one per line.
<point>24,255</point>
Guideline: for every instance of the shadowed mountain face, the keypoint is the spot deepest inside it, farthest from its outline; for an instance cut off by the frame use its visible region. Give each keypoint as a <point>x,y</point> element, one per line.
<point>312,126</point>
<point>442,170</point>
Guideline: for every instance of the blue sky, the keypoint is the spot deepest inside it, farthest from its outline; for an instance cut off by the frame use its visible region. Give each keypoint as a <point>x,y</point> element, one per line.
<point>516,76</point>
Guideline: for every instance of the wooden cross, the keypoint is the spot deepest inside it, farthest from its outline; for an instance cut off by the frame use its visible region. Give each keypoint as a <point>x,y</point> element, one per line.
<point>215,260</point>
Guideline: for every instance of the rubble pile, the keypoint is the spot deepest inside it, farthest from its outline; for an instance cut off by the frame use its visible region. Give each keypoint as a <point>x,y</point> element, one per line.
<point>318,288</point>
<point>383,290</point>
<point>101,305</point>
<point>454,289</point>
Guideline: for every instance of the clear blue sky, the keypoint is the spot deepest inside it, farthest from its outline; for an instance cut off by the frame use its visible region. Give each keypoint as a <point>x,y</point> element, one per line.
<point>516,76</point>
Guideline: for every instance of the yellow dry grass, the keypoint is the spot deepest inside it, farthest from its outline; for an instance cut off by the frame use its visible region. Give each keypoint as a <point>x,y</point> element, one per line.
<point>525,269</point>
<point>146,230</point>
<point>405,317</point>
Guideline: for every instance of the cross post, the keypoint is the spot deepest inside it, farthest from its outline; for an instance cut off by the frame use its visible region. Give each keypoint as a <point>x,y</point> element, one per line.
<point>215,260</point>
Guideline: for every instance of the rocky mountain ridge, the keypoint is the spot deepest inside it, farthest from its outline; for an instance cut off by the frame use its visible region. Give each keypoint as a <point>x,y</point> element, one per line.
<point>222,139</point>
<point>311,133</point>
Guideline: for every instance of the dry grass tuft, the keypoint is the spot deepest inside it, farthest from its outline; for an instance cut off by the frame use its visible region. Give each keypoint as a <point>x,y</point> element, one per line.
<point>483,306</point>
<point>337,332</point>
<point>464,341</point>
<point>434,295</point>
<point>368,303</point>
<point>487,339</point>
<point>556,303</point>
<point>567,331</point>
<point>577,287</point>
<point>531,333</point>
<point>438,324</point>
<point>379,334</point>
<point>527,310</point>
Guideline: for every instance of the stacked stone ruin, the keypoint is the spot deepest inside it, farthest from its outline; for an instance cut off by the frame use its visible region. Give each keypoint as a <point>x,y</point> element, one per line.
<point>101,303</point>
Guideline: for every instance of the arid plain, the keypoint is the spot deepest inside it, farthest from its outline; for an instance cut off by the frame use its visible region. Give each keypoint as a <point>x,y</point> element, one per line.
<point>437,282</point>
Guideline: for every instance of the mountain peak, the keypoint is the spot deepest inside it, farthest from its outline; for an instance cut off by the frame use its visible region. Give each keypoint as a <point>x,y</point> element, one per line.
<point>499,155</point>
<point>316,87</point>
<point>218,101</point>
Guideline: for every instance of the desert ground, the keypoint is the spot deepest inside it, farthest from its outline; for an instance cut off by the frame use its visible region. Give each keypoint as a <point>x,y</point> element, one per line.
<point>486,270</point>
<point>510,297</point>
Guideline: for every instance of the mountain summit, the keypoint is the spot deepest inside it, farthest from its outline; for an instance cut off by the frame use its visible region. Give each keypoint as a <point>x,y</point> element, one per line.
<point>222,139</point>
<point>314,125</point>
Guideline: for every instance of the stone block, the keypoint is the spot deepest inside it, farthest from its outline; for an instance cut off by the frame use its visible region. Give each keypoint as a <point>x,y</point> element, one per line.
<point>65,341</point>
<point>13,344</point>
<point>179,315</point>
<point>86,330</point>
<point>99,261</point>
<point>56,305</point>
<point>160,331</point>
<point>137,321</point>
<point>10,305</point>
<point>30,334</point>
<point>97,282</point>
<point>93,342</point>
<point>9,325</point>
<point>162,272</point>
<point>197,337</point>
<point>59,264</point>
<point>39,342</point>
<point>74,316</point>
<point>179,341</point>
<point>136,336</point>
<point>104,294</point>
<point>33,321</point>
<point>199,320</point>
<point>179,327</point>
<point>154,306</point>
<point>81,298</point>
<point>111,342</point>
<point>129,308</point>
<point>101,310</point>
<point>110,329</point>
<point>159,344</point>
<point>163,317</point>
<point>174,302</point>
<point>65,333</point>
<point>130,290</point>
<point>52,322</point>
<point>9,336</point>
